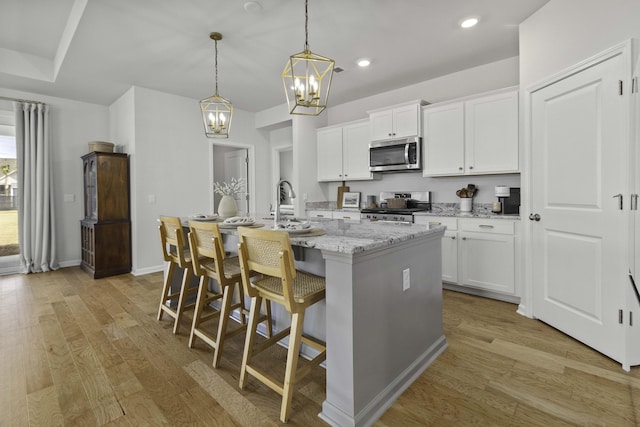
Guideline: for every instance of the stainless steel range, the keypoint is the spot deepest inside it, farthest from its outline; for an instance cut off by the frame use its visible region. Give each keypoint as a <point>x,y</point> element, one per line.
<point>414,201</point>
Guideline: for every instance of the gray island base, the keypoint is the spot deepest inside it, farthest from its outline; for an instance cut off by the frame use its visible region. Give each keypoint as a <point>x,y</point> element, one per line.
<point>382,314</point>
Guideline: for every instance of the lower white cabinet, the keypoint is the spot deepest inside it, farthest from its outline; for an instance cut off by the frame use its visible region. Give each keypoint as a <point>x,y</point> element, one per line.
<point>346,215</point>
<point>487,255</point>
<point>335,214</point>
<point>319,214</point>
<point>478,255</point>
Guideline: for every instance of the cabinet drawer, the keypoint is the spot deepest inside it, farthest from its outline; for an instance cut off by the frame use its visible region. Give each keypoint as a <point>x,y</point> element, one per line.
<point>450,222</point>
<point>320,214</point>
<point>487,226</point>
<point>346,215</point>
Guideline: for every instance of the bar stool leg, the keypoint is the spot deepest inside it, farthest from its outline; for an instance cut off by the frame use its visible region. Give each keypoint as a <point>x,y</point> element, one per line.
<point>267,310</point>
<point>181,299</point>
<point>166,288</point>
<point>225,311</point>
<point>254,314</point>
<point>202,296</point>
<point>295,339</point>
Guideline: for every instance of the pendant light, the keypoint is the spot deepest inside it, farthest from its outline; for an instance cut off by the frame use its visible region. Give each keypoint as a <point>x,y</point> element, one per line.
<point>217,111</point>
<point>307,78</point>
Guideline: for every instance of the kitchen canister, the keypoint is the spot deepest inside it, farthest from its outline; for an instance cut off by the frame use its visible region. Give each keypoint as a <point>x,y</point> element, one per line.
<point>466,204</point>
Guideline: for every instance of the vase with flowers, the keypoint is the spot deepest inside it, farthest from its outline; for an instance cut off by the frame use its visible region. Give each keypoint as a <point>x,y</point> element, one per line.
<point>227,206</point>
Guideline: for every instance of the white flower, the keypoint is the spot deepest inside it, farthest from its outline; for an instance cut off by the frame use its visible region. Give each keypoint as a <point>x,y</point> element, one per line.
<point>229,189</point>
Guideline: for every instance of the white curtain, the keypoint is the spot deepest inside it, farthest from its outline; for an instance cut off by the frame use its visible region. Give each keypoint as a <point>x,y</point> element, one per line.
<point>36,220</point>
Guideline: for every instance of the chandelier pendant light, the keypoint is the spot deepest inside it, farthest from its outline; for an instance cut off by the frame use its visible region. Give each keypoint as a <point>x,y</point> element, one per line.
<point>307,78</point>
<point>217,111</point>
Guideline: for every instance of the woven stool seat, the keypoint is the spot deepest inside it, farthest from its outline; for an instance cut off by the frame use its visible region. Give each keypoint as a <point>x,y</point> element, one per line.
<point>304,286</point>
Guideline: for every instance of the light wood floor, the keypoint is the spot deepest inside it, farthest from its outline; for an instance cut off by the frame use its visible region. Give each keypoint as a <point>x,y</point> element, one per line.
<point>75,351</point>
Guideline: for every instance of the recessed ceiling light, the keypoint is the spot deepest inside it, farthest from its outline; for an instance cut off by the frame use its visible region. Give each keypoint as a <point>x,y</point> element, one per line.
<point>364,62</point>
<point>252,6</point>
<point>469,22</point>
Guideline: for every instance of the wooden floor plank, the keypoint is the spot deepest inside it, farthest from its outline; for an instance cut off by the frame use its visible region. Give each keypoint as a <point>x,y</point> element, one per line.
<point>78,351</point>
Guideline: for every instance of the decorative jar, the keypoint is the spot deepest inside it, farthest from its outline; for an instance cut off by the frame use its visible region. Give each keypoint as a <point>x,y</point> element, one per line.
<point>227,207</point>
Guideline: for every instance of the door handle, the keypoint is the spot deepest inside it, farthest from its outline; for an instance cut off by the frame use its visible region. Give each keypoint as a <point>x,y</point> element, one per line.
<point>534,217</point>
<point>619,196</point>
<point>634,202</point>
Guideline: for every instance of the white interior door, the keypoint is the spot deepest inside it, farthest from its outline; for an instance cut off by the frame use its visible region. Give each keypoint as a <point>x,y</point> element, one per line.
<point>236,165</point>
<point>579,245</point>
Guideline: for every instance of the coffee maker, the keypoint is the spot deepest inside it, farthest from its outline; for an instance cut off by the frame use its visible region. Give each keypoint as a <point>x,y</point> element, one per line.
<point>508,200</point>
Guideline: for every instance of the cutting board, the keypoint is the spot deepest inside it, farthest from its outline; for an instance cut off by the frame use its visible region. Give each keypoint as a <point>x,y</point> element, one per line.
<point>341,190</point>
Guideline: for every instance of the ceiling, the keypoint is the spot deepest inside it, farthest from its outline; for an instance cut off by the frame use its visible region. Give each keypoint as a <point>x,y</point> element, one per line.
<point>95,50</point>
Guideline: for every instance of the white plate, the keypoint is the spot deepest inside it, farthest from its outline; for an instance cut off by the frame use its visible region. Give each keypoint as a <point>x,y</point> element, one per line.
<point>203,216</point>
<point>236,224</point>
<point>299,230</point>
<point>295,230</point>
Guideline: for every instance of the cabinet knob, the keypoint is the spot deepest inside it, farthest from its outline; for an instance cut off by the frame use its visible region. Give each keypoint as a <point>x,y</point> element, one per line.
<point>470,167</point>
<point>453,237</point>
<point>534,217</point>
<point>464,238</point>
<point>460,168</point>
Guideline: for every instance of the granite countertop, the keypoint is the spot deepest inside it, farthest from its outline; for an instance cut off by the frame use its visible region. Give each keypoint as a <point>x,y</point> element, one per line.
<point>458,214</point>
<point>353,236</point>
<point>480,210</point>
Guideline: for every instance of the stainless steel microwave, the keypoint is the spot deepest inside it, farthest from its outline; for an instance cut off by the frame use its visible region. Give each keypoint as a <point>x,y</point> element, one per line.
<point>395,155</point>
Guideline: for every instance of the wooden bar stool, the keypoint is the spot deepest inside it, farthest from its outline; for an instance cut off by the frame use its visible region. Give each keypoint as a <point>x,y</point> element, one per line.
<point>175,253</point>
<point>268,252</point>
<point>210,262</point>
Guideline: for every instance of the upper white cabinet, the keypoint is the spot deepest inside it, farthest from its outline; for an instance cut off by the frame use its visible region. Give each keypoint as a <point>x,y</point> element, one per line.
<point>343,152</point>
<point>399,121</point>
<point>472,136</point>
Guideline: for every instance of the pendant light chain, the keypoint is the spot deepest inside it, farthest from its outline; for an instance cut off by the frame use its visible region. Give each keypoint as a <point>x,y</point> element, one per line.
<point>216,62</point>
<point>306,26</point>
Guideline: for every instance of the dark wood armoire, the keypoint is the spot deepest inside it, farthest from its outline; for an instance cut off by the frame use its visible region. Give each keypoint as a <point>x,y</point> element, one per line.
<point>106,227</point>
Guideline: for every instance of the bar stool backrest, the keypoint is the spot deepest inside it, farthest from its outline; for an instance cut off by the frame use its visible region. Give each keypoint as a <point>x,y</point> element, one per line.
<point>205,240</point>
<point>171,234</point>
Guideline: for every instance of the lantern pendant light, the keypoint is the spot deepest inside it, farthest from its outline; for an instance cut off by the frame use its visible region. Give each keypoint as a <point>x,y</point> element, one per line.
<point>307,78</point>
<point>217,111</point>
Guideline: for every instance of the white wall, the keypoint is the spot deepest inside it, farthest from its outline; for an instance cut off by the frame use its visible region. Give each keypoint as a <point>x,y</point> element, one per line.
<point>170,162</point>
<point>565,32</point>
<point>72,125</point>
<point>305,166</point>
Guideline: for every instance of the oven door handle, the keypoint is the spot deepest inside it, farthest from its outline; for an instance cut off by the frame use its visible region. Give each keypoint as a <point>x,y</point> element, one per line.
<point>406,154</point>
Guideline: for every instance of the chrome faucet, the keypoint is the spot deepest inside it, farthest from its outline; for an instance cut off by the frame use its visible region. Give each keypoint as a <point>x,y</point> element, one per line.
<point>292,195</point>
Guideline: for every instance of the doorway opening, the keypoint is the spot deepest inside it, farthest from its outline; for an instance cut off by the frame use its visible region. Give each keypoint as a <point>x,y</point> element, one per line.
<point>233,162</point>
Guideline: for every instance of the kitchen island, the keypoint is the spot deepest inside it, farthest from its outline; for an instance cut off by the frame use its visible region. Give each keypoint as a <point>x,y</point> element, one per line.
<point>382,315</point>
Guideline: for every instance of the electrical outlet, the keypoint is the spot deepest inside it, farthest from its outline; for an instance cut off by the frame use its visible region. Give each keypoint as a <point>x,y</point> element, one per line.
<point>406,279</point>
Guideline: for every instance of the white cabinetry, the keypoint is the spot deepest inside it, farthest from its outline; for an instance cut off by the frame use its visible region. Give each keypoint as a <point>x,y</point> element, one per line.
<point>478,255</point>
<point>472,136</point>
<point>449,245</point>
<point>353,215</point>
<point>346,215</point>
<point>400,121</point>
<point>343,152</point>
<point>487,256</point>
<point>319,214</point>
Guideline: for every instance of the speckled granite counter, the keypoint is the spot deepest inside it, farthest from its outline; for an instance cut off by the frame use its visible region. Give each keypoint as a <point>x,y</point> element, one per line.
<point>480,210</point>
<point>354,236</point>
